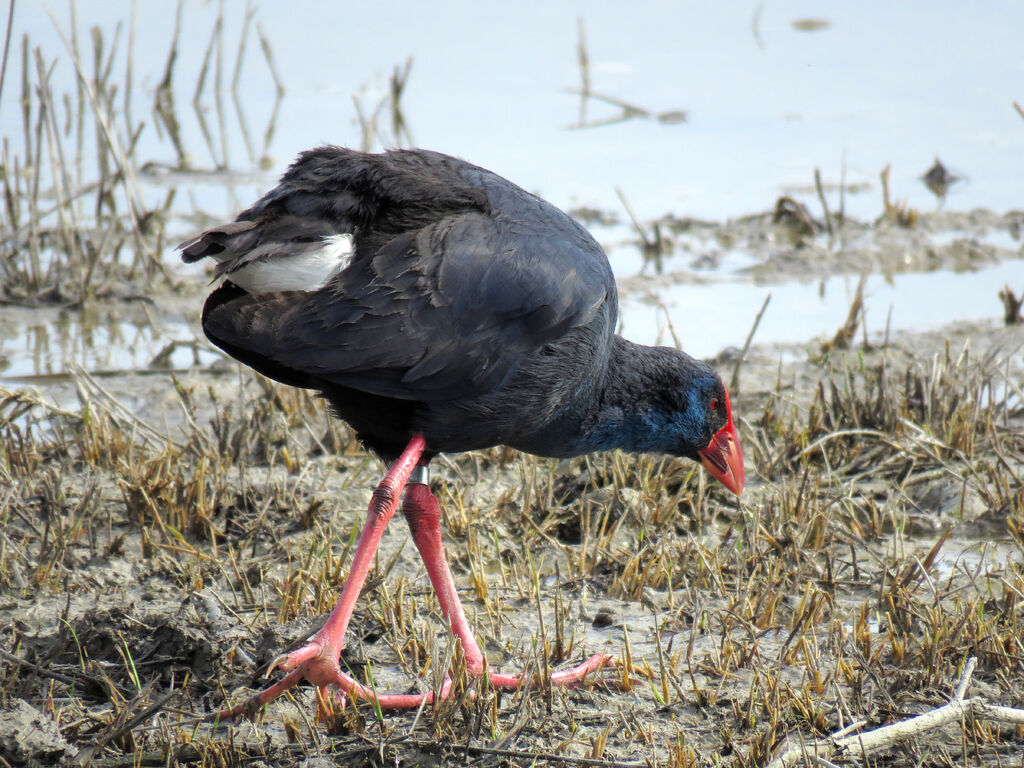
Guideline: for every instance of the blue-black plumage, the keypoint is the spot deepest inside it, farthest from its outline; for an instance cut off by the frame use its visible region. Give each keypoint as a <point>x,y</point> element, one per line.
<point>478,312</point>
<point>438,307</point>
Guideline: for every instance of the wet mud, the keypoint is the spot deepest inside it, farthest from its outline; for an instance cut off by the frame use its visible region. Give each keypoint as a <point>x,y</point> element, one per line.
<point>169,529</point>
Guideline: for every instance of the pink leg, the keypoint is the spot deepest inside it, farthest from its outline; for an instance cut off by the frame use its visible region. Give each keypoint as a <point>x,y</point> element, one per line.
<point>423,514</point>
<point>317,661</point>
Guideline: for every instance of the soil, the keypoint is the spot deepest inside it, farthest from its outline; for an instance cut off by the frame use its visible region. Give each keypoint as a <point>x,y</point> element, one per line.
<point>168,532</point>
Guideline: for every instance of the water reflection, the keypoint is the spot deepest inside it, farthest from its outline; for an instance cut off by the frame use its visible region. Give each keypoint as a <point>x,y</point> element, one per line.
<point>769,94</point>
<point>801,312</point>
<point>42,343</point>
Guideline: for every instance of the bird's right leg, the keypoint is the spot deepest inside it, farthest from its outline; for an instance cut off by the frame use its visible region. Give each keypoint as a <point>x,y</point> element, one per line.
<point>317,660</point>
<point>423,513</point>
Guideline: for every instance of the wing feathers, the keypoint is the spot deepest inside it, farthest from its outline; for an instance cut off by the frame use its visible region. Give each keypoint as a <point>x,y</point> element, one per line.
<point>445,293</point>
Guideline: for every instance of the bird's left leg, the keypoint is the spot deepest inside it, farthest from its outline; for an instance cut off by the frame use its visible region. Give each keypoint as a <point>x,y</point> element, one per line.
<point>423,513</point>
<point>317,660</point>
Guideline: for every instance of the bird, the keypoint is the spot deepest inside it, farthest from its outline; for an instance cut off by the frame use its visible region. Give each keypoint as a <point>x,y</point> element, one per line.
<point>439,308</point>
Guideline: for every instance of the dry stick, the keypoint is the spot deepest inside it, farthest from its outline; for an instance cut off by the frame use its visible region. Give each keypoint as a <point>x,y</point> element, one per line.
<point>824,202</point>
<point>268,134</point>
<point>1017,106</point>
<point>632,215</point>
<point>236,78</point>
<point>670,327</point>
<point>107,180</point>
<point>127,171</point>
<point>584,61</point>
<point>33,155</point>
<point>628,109</point>
<point>734,382</point>
<point>399,126</point>
<point>61,182</point>
<point>196,96</point>
<point>615,120</point>
<point>367,128</point>
<point>163,102</point>
<point>92,257</point>
<point>79,91</point>
<point>268,54</point>
<point>128,67</point>
<point>861,745</point>
<point>886,203</point>
<point>7,47</point>
<point>218,94</point>
<point>755,25</point>
<point>108,67</point>
<point>10,195</point>
<point>842,192</point>
<point>102,163</point>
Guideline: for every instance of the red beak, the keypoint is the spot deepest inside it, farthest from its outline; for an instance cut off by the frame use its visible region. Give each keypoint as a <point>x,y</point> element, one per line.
<point>723,457</point>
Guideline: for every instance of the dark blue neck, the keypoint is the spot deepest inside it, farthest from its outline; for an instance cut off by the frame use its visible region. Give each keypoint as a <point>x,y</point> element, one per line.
<point>650,401</point>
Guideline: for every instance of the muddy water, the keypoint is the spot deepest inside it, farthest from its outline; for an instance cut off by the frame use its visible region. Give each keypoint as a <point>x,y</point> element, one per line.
<point>799,313</point>
<point>710,312</point>
<point>767,98</point>
<point>769,94</point>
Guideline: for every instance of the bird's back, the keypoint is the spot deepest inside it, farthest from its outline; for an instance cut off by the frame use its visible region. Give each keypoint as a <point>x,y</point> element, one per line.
<point>419,293</point>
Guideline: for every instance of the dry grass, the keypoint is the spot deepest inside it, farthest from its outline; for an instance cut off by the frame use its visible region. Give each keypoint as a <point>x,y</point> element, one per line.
<point>833,593</point>
<point>150,568</point>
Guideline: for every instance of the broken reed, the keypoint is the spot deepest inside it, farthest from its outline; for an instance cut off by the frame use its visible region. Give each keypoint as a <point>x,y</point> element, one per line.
<point>89,224</point>
<point>933,411</point>
<point>76,221</point>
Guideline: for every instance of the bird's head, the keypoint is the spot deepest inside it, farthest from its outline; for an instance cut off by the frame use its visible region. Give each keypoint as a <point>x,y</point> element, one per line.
<point>664,401</point>
<point>701,423</point>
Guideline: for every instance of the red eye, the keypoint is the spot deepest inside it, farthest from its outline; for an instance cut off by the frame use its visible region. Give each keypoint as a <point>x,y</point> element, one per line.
<point>714,403</point>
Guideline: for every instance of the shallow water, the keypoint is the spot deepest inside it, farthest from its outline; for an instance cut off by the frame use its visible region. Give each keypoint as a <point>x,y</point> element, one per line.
<point>767,102</point>
<point>44,343</point>
<point>804,311</point>
<point>972,558</point>
<point>799,315</point>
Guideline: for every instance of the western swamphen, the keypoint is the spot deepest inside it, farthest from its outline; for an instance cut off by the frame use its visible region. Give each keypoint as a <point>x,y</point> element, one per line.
<point>440,308</point>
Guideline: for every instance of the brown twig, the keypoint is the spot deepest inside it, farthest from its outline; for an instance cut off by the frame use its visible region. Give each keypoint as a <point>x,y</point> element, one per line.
<point>848,330</point>
<point>824,202</point>
<point>859,746</point>
<point>648,243</point>
<point>7,46</point>
<point>734,382</point>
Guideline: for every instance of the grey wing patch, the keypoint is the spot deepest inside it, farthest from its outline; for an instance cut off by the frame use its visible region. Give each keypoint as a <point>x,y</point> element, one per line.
<point>216,240</point>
